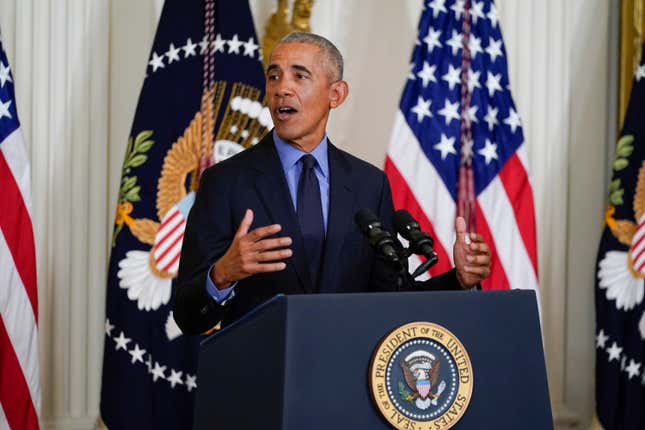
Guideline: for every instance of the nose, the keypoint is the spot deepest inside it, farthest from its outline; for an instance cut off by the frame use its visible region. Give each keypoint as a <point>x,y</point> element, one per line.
<point>283,88</point>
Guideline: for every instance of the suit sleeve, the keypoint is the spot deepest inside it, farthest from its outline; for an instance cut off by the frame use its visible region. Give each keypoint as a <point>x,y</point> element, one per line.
<point>384,277</point>
<point>209,232</point>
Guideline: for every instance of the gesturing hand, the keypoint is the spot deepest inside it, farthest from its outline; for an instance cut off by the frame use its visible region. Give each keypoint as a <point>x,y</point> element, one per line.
<point>250,253</point>
<point>472,256</point>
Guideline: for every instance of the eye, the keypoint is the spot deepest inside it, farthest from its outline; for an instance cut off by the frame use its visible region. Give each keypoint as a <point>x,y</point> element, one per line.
<point>301,76</point>
<point>273,77</point>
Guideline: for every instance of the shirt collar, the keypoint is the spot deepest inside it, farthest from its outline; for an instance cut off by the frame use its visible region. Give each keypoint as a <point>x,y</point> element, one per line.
<point>289,155</point>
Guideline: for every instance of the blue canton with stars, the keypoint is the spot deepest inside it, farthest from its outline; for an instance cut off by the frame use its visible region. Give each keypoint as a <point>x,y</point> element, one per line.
<point>432,96</point>
<point>8,114</point>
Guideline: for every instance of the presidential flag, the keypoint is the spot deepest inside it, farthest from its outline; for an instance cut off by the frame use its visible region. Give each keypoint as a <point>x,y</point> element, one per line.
<point>19,373</point>
<point>457,146</point>
<point>620,278</point>
<point>201,102</point>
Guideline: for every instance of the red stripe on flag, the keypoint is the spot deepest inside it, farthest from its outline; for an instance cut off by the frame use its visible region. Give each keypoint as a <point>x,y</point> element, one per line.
<point>404,199</point>
<point>520,194</point>
<point>16,228</point>
<point>14,393</point>
<point>167,267</point>
<point>163,239</point>
<point>172,245</point>
<point>638,242</point>
<point>497,279</point>
<point>170,218</point>
<point>641,266</point>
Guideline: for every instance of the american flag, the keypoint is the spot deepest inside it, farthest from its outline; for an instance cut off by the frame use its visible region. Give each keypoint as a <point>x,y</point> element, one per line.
<point>457,147</point>
<point>19,374</point>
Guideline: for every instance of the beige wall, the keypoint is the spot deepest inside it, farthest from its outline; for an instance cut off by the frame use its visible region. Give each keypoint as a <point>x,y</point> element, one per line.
<point>70,56</point>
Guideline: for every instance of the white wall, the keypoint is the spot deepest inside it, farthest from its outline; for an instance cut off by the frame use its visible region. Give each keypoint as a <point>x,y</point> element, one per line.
<point>79,65</point>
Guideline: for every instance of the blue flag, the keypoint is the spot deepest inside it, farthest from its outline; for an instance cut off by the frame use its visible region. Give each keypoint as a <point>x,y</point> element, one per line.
<point>200,103</point>
<point>620,311</point>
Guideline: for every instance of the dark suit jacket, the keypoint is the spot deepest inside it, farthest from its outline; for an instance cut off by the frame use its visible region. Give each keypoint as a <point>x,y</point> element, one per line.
<point>255,179</point>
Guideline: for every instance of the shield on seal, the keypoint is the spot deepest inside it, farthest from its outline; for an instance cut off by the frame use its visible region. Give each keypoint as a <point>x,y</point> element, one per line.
<point>423,387</point>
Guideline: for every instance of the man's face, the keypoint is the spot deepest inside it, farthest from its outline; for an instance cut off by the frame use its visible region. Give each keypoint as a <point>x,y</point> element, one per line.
<point>299,93</point>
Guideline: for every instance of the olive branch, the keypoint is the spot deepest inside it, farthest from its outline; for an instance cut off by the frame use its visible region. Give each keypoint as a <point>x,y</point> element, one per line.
<point>135,156</point>
<point>624,149</point>
<point>404,393</point>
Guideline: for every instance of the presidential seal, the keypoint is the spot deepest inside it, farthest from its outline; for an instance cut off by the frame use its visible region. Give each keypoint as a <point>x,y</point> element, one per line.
<point>421,377</point>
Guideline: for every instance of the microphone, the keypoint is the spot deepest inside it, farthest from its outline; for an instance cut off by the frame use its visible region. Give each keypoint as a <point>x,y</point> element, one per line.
<point>381,240</point>
<point>420,242</point>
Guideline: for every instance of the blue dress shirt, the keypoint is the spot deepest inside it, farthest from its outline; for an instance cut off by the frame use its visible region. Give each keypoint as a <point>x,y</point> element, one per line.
<point>289,158</point>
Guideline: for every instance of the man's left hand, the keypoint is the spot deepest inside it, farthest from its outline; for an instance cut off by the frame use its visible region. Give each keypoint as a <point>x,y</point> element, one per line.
<point>472,256</point>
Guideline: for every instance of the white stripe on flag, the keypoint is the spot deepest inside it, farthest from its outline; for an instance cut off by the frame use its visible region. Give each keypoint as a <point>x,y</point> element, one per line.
<point>174,252</point>
<point>4,424</point>
<point>16,312</point>
<point>424,182</point>
<point>523,156</point>
<point>168,242</point>
<point>14,152</point>
<point>499,214</point>
<point>172,218</point>
<point>637,254</point>
<point>638,236</point>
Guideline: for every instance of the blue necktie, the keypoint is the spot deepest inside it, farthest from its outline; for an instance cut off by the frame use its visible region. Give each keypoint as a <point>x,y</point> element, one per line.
<point>310,215</point>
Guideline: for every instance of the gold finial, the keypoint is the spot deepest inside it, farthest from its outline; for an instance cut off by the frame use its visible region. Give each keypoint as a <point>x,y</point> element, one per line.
<point>300,18</point>
<point>279,25</point>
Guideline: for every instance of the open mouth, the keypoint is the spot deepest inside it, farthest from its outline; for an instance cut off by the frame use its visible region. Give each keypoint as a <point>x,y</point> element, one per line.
<point>285,112</point>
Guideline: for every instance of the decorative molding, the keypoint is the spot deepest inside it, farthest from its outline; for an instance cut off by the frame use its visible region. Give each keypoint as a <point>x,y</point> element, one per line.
<point>70,424</point>
<point>564,419</point>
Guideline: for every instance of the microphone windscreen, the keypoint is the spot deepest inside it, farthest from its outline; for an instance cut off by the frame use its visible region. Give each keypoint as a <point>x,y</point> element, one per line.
<point>401,219</point>
<point>363,218</point>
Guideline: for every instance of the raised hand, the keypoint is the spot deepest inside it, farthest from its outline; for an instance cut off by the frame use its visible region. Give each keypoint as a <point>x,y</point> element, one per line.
<point>472,256</point>
<point>251,253</point>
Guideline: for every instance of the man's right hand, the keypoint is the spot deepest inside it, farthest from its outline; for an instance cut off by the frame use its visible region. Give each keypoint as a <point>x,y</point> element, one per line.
<point>251,253</point>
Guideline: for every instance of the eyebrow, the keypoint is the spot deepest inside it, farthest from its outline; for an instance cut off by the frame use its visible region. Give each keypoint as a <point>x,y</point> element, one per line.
<point>295,66</point>
<point>301,68</point>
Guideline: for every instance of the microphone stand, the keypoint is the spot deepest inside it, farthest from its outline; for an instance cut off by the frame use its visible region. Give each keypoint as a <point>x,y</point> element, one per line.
<point>404,277</point>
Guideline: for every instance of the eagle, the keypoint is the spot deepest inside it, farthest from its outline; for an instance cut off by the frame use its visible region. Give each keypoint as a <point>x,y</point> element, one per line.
<point>621,273</point>
<point>421,372</point>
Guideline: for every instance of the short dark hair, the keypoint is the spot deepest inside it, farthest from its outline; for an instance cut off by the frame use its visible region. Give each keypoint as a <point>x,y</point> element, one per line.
<point>332,55</point>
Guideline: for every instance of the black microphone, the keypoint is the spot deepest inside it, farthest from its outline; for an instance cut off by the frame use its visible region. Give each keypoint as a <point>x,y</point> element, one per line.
<point>420,242</point>
<point>381,240</point>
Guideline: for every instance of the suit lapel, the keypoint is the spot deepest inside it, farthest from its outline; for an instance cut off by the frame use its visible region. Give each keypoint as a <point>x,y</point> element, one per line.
<point>274,194</point>
<point>341,214</point>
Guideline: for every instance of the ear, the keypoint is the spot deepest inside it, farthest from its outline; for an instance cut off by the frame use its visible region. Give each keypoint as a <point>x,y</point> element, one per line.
<point>338,93</point>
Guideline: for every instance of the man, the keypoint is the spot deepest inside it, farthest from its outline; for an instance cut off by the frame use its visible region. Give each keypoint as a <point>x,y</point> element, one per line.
<point>278,217</point>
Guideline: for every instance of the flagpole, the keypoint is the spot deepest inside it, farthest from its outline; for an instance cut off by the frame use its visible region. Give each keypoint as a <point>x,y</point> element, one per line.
<point>466,187</point>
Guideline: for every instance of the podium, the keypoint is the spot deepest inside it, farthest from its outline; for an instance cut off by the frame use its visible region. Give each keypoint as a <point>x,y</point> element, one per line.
<point>302,361</point>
